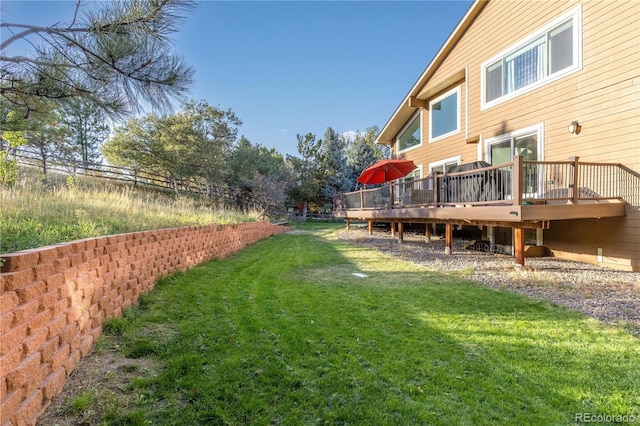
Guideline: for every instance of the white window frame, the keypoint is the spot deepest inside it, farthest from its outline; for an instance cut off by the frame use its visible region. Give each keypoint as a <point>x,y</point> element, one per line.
<point>404,129</point>
<point>576,15</point>
<point>538,129</point>
<point>458,112</point>
<point>419,169</point>
<point>457,159</point>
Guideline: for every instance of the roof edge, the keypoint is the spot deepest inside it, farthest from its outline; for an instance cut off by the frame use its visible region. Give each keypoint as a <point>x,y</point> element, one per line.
<point>455,35</point>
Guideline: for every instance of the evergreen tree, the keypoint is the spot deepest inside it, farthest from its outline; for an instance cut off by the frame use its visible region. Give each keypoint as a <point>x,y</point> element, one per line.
<point>306,172</point>
<point>363,152</point>
<point>88,129</point>
<point>333,165</point>
<point>50,141</point>
<point>119,56</point>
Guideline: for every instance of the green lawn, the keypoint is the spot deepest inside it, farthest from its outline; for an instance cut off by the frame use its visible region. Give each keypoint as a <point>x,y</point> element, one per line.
<point>284,333</point>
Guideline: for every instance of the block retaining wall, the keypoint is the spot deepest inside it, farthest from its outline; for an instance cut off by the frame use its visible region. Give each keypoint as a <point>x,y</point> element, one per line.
<point>54,300</point>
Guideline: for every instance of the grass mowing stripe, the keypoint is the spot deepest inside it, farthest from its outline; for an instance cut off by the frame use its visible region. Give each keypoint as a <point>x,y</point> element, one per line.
<point>283,333</point>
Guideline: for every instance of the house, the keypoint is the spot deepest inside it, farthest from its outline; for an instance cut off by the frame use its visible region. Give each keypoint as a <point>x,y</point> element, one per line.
<point>545,97</point>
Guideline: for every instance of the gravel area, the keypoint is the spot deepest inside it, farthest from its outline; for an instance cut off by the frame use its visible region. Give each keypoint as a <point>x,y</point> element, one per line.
<point>609,295</point>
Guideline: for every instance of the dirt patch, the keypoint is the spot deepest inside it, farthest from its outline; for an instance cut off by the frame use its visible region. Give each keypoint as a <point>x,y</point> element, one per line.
<point>100,385</point>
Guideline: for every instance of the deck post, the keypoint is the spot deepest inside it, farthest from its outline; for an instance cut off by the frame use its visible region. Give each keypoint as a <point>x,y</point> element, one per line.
<point>370,225</point>
<point>393,229</point>
<point>517,180</point>
<point>392,195</point>
<point>361,198</point>
<point>574,180</point>
<point>519,246</point>
<point>436,189</point>
<point>427,233</point>
<point>401,231</point>
<point>447,238</point>
<point>348,224</point>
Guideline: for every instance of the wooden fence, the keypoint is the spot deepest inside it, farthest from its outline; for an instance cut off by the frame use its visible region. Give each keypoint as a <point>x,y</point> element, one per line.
<point>196,187</point>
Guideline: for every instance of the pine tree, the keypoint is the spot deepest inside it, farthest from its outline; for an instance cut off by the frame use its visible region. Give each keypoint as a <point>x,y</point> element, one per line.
<point>118,56</point>
<point>88,129</point>
<point>333,164</point>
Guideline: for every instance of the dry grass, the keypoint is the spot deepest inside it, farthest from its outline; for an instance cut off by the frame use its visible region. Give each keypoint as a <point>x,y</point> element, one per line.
<point>37,213</point>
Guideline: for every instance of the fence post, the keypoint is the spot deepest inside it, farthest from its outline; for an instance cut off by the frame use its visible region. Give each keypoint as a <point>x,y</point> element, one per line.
<point>574,179</point>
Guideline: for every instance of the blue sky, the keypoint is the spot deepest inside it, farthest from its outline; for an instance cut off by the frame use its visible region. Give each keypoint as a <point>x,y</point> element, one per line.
<point>297,67</point>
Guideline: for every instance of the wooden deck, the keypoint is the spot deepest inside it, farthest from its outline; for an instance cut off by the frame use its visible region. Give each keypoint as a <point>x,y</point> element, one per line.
<point>521,195</point>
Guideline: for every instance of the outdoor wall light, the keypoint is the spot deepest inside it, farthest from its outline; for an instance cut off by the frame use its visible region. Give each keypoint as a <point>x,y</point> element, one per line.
<point>575,127</point>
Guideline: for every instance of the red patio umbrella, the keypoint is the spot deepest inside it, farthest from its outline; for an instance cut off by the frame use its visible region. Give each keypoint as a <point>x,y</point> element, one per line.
<point>386,170</point>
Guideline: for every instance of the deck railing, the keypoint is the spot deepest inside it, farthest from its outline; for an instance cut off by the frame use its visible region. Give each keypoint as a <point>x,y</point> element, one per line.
<point>515,183</point>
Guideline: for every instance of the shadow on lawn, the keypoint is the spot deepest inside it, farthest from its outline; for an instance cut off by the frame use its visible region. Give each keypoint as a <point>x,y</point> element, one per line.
<point>283,332</point>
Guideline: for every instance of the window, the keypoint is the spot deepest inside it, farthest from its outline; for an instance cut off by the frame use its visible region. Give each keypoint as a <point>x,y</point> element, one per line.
<point>409,179</point>
<point>526,143</point>
<point>525,146</point>
<point>414,175</point>
<point>440,167</point>
<point>552,53</point>
<point>443,166</point>
<point>444,115</point>
<point>410,136</point>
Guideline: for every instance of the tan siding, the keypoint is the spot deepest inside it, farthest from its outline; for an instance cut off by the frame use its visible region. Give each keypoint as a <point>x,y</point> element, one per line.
<point>607,12</point>
<point>595,98</point>
<point>614,236</point>
<point>600,100</point>
<point>604,96</point>
<point>622,70</point>
<point>597,153</point>
<point>616,41</point>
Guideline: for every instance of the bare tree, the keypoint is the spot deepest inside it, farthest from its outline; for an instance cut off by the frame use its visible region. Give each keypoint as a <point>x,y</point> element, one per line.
<point>118,56</point>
